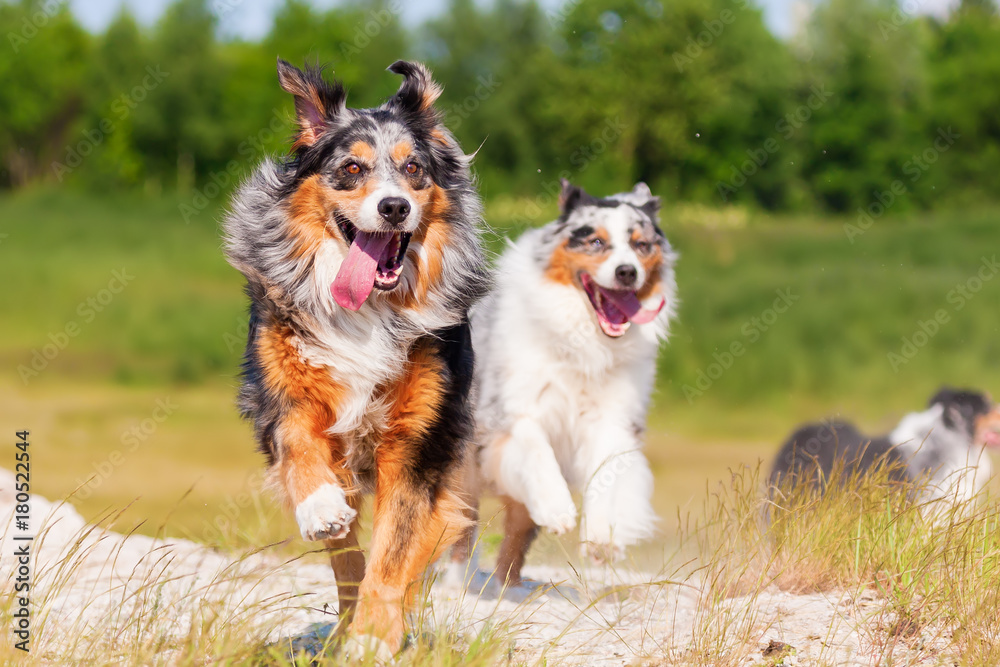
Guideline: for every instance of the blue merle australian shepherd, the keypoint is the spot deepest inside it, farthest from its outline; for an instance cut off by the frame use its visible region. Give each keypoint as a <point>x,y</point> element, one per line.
<point>942,450</point>
<point>362,256</point>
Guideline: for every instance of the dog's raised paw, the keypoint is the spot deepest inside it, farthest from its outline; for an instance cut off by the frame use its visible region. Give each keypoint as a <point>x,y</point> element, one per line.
<point>325,514</point>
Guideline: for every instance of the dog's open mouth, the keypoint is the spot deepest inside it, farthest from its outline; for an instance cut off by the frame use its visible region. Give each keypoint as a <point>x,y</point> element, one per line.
<point>617,309</point>
<point>988,429</point>
<point>374,260</point>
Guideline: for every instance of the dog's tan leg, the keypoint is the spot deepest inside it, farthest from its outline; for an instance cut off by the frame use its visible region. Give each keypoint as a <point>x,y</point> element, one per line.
<point>315,485</point>
<point>466,544</point>
<point>418,512</point>
<point>309,464</point>
<point>348,563</point>
<point>519,532</point>
<point>410,529</point>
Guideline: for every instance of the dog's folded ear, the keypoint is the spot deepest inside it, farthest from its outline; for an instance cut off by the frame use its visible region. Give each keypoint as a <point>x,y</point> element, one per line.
<point>317,102</point>
<point>417,93</point>
<point>414,102</point>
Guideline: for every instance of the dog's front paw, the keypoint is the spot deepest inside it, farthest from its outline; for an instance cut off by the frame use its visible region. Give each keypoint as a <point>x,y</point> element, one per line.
<point>325,514</point>
<point>359,647</point>
<point>602,553</point>
<point>455,574</point>
<point>555,511</point>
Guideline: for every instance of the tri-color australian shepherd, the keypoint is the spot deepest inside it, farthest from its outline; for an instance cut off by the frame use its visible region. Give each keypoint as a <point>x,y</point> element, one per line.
<point>943,448</point>
<point>566,349</point>
<point>362,257</point>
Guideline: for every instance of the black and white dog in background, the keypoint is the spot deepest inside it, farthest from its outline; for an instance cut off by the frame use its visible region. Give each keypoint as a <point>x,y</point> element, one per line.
<point>566,348</point>
<point>945,445</point>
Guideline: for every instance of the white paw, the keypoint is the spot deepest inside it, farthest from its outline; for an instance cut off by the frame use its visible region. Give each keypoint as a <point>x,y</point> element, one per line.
<point>454,575</point>
<point>601,553</point>
<point>325,514</point>
<point>359,647</point>
<point>554,510</point>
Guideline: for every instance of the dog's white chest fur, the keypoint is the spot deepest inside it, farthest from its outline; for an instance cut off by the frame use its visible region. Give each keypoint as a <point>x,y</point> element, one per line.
<point>357,364</point>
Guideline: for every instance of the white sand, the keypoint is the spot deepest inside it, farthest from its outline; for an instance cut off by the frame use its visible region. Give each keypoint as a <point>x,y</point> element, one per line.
<point>95,589</point>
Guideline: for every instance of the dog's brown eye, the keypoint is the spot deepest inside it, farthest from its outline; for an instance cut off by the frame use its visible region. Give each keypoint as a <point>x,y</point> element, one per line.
<point>352,168</point>
<point>642,247</point>
<point>412,168</point>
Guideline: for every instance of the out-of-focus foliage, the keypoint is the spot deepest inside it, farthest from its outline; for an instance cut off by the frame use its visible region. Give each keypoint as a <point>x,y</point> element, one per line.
<point>695,97</point>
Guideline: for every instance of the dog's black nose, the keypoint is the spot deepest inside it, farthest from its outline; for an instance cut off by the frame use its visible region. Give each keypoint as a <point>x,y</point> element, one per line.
<point>394,209</point>
<point>626,275</point>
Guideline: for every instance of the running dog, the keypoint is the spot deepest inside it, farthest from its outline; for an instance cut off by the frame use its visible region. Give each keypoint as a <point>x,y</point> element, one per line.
<point>362,257</point>
<point>943,446</point>
<point>566,358</point>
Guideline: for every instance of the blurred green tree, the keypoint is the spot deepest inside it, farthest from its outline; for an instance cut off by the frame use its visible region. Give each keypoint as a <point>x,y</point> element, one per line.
<point>696,97</point>
<point>496,66</point>
<point>694,90</point>
<point>178,121</point>
<point>867,54</point>
<point>118,65</point>
<point>42,66</point>
<point>964,73</point>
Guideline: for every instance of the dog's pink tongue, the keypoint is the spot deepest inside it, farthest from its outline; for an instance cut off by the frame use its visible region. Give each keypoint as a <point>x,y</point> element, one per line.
<point>628,303</point>
<point>992,439</point>
<point>356,278</point>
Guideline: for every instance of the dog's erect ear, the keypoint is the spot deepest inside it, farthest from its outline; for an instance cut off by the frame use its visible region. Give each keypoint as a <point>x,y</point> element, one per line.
<point>569,197</point>
<point>642,190</point>
<point>960,417</point>
<point>317,102</point>
<point>649,204</point>
<point>943,395</point>
<point>418,91</point>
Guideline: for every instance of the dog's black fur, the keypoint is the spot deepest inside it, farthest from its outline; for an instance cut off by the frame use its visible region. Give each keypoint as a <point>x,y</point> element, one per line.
<point>962,408</point>
<point>815,451</point>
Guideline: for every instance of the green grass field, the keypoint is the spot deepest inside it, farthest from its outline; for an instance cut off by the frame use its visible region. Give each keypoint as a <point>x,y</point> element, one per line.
<point>173,332</point>
<point>180,317</point>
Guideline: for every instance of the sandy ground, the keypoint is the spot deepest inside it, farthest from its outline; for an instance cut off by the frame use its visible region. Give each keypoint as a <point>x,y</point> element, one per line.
<point>95,589</point>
